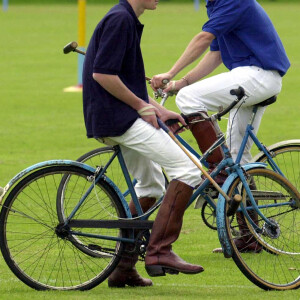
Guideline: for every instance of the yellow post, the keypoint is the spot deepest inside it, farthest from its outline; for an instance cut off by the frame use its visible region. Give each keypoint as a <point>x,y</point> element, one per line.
<point>81,45</point>
<point>81,22</point>
<point>81,37</point>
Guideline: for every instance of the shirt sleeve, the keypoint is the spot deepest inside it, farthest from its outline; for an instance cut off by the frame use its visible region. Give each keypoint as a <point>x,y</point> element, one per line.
<point>214,46</point>
<point>114,42</point>
<point>224,17</point>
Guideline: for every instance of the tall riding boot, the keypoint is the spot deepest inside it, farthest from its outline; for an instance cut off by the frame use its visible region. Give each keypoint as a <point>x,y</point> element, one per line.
<point>125,273</point>
<point>166,228</point>
<point>247,242</point>
<point>205,134</point>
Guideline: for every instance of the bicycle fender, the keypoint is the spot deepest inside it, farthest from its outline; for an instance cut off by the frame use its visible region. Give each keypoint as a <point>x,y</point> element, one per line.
<point>277,146</point>
<point>41,165</point>
<point>221,226</point>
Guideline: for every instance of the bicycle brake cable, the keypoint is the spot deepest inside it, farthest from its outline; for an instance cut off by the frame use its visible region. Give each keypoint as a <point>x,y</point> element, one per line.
<point>238,108</point>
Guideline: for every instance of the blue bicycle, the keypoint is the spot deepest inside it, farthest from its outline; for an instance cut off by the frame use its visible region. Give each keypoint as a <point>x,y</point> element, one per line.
<point>64,224</point>
<point>282,157</point>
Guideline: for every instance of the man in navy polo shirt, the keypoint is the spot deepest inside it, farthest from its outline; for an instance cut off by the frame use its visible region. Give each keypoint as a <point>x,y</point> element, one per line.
<point>118,110</point>
<point>241,35</point>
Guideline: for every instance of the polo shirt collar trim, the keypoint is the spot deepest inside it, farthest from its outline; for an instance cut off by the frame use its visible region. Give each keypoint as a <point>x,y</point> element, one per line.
<point>130,10</point>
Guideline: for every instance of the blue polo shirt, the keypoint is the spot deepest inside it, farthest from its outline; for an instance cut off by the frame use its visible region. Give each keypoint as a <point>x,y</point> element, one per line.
<point>245,35</point>
<point>113,49</point>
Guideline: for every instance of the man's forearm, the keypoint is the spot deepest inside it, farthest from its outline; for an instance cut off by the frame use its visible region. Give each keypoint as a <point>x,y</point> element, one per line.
<point>194,50</point>
<point>209,63</point>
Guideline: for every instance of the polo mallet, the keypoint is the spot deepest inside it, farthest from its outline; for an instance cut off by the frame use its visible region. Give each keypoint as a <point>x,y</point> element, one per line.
<point>72,47</point>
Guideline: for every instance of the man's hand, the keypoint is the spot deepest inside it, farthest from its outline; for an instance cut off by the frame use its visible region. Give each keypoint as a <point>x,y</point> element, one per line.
<point>167,115</point>
<point>174,86</point>
<point>158,80</point>
<point>149,114</point>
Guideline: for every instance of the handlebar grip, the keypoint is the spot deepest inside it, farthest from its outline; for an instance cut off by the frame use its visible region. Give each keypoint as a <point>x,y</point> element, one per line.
<point>234,205</point>
<point>171,122</point>
<point>70,47</point>
<point>239,92</point>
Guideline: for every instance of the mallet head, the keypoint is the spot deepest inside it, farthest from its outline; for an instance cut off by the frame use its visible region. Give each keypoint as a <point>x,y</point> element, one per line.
<point>70,47</point>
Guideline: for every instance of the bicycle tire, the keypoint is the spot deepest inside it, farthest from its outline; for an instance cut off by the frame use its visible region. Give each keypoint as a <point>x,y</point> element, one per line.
<point>276,263</point>
<point>287,158</point>
<point>29,239</point>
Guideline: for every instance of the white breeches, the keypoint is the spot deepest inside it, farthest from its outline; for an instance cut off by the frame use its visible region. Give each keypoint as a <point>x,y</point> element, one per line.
<point>146,150</point>
<point>211,93</point>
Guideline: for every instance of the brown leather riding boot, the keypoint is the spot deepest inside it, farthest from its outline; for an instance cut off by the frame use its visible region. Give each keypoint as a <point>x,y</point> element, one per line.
<point>247,242</point>
<point>125,273</point>
<point>166,228</point>
<point>205,134</point>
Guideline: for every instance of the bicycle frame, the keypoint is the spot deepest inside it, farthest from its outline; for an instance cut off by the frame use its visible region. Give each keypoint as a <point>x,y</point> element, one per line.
<point>260,146</point>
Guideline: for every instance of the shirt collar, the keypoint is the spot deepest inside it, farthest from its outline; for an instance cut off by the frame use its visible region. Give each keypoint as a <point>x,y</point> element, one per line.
<point>130,10</point>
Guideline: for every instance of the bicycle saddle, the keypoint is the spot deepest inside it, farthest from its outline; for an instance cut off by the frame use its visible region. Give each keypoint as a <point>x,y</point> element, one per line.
<point>268,101</point>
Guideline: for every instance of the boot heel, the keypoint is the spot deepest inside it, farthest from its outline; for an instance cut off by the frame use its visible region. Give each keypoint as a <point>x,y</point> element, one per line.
<point>171,271</point>
<point>155,270</point>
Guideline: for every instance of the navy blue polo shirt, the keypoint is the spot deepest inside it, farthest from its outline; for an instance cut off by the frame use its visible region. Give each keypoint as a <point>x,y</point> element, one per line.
<point>113,49</point>
<point>245,35</point>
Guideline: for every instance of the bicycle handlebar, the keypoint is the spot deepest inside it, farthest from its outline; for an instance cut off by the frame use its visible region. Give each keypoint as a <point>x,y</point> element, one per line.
<point>240,93</point>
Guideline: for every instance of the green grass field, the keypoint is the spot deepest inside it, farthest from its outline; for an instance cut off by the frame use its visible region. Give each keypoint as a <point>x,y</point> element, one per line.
<point>39,122</point>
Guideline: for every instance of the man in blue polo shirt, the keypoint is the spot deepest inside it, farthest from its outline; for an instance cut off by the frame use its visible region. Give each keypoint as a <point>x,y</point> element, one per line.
<point>118,110</point>
<point>241,35</point>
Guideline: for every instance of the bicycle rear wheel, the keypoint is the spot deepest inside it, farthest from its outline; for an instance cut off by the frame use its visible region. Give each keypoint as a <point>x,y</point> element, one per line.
<point>36,250</point>
<point>287,158</point>
<point>275,263</point>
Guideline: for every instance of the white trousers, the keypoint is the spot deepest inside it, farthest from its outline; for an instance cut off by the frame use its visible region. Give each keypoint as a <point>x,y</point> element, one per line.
<point>210,93</point>
<point>147,149</point>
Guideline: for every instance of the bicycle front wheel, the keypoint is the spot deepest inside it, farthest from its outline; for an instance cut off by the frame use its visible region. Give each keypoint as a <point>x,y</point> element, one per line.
<point>287,158</point>
<point>40,254</point>
<point>271,258</point>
